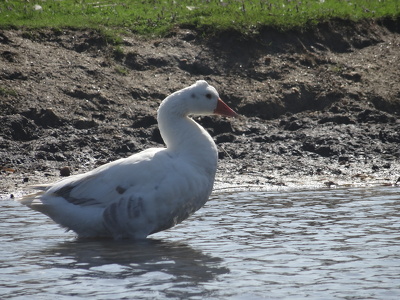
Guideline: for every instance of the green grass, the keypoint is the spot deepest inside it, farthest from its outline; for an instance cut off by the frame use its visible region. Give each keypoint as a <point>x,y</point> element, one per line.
<point>158,17</point>
<point>7,92</point>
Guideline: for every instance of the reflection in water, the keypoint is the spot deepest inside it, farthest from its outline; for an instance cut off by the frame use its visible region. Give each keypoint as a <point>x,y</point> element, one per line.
<point>37,261</point>
<point>136,258</point>
<point>324,244</point>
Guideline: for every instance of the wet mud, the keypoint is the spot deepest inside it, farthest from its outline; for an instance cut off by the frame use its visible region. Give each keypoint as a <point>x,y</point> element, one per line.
<point>320,107</point>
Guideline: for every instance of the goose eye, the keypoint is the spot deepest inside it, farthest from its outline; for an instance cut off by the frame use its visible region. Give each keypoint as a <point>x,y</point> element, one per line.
<point>209,96</point>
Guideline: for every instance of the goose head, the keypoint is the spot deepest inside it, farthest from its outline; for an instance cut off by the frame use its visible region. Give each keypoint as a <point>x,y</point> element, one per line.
<point>204,100</point>
<point>197,99</point>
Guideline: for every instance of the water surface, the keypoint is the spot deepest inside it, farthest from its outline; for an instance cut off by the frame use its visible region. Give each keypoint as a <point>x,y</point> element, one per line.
<point>324,244</point>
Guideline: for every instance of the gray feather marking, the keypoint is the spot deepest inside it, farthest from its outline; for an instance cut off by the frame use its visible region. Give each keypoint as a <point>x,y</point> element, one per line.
<point>65,192</point>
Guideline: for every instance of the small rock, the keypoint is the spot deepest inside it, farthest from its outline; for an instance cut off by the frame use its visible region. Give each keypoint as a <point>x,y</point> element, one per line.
<point>65,171</point>
<point>37,7</point>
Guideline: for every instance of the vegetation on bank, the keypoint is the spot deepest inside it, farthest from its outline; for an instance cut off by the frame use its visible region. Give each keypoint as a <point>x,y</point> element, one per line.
<point>157,17</point>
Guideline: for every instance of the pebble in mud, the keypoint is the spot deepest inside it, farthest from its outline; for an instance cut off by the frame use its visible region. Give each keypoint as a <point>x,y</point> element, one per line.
<point>65,171</point>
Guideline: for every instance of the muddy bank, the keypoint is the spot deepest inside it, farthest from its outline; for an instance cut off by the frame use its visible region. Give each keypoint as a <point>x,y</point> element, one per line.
<point>321,107</point>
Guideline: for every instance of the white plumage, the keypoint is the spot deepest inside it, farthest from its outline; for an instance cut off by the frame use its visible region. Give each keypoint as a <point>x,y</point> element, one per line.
<point>149,191</point>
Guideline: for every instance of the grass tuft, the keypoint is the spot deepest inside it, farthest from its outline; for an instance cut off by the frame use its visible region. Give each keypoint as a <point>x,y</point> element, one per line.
<point>7,92</point>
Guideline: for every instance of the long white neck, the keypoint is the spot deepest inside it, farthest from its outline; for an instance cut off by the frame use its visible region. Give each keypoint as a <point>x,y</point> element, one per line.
<point>185,138</point>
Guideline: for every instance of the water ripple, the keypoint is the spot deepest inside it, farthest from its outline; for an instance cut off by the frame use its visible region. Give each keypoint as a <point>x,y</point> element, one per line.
<point>323,244</point>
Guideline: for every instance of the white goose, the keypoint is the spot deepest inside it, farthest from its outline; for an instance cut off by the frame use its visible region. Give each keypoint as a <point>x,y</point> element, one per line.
<point>149,191</point>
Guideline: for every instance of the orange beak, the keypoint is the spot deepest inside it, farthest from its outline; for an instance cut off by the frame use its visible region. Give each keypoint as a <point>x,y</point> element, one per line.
<point>224,110</point>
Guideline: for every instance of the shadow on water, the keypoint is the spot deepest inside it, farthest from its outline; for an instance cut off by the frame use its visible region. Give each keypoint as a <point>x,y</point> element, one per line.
<point>127,258</point>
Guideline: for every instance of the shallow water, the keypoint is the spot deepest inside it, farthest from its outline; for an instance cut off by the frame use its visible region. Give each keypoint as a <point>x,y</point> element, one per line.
<point>324,244</point>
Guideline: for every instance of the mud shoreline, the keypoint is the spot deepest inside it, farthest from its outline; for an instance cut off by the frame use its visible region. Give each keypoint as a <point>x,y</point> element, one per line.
<point>320,108</point>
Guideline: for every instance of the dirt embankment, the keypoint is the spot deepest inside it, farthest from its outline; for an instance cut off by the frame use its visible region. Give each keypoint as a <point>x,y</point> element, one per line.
<point>320,107</point>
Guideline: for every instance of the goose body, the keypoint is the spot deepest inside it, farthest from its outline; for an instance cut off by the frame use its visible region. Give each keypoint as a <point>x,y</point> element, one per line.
<point>147,192</point>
